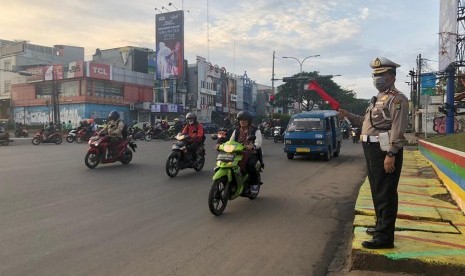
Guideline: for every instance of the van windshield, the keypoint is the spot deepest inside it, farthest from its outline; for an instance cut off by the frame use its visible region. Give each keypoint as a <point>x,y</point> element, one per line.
<point>305,124</point>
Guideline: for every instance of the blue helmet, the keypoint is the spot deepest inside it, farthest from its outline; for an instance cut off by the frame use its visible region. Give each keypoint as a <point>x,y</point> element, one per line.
<point>114,115</point>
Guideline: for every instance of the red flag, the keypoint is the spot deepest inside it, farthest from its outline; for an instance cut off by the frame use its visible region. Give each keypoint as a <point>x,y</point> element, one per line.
<point>313,85</point>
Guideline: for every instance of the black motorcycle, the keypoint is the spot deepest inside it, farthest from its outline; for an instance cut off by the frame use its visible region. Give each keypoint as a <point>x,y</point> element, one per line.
<point>4,136</point>
<point>345,133</point>
<point>266,131</point>
<point>157,133</point>
<point>180,158</point>
<point>355,132</point>
<point>21,132</point>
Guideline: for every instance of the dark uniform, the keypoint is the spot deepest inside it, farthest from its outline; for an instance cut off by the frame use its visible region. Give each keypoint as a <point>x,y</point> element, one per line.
<point>388,112</point>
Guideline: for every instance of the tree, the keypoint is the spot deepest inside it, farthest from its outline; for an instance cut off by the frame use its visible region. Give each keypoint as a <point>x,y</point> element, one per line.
<point>293,91</point>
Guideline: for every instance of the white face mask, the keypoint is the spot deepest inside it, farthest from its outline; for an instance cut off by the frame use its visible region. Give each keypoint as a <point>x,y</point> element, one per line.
<point>383,83</point>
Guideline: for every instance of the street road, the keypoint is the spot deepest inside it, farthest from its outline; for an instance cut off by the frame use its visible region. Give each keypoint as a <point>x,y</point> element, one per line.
<point>58,217</point>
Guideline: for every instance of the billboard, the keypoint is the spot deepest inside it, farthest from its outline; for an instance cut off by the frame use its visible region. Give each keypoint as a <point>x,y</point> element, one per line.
<point>99,71</point>
<point>169,34</point>
<point>428,83</point>
<point>447,33</point>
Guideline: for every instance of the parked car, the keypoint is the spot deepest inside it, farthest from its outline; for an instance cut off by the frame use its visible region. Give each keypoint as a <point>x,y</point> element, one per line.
<point>210,127</point>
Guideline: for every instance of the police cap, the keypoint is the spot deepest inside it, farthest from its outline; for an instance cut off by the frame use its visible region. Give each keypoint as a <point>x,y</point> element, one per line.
<point>381,65</point>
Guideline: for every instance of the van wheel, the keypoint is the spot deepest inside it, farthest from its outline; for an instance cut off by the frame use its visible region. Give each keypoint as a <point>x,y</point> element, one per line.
<point>327,156</point>
<point>290,156</point>
<point>338,151</point>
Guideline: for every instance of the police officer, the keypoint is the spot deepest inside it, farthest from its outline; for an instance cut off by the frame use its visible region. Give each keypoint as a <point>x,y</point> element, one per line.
<point>383,128</point>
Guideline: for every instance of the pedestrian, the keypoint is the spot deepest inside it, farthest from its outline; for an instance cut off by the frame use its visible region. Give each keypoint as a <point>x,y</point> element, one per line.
<point>382,136</point>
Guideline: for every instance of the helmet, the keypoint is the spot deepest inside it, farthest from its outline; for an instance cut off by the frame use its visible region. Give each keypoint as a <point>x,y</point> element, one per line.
<point>192,116</point>
<point>244,115</point>
<point>114,115</point>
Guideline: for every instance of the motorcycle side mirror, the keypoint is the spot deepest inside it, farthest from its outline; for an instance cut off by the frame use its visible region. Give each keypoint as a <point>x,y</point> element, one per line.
<point>214,136</point>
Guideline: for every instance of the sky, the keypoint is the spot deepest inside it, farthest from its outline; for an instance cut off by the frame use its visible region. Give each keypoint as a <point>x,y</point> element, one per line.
<point>242,35</point>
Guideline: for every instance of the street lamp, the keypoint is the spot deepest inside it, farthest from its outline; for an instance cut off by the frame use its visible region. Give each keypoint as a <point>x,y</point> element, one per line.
<point>302,62</point>
<point>301,85</point>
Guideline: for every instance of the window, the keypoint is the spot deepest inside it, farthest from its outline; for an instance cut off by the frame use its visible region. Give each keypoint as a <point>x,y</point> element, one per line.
<point>305,124</point>
<point>105,89</point>
<point>7,65</point>
<point>7,87</point>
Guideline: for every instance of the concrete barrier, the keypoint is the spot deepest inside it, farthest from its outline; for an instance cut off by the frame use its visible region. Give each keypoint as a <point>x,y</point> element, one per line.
<point>450,167</point>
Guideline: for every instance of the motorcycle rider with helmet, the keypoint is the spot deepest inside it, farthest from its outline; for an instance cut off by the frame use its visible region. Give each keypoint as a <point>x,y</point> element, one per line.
<point>253,148</point>
<point>114,130</point>
<point>195,130</point>
<point>49,130</point>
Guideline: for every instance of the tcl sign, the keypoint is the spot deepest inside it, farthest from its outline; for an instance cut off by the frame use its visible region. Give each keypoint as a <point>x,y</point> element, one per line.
<point>99,71</point>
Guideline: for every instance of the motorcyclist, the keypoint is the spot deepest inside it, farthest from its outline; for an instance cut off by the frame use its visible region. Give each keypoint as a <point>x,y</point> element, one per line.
<point>49,130</point>
<point>195,130</point>
<point>178,125</point>
<point>253,148</point>
<point>114,130</point>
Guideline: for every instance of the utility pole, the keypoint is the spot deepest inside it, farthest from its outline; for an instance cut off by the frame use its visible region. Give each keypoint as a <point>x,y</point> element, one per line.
<point>418,124</point>
<point>272,83</point>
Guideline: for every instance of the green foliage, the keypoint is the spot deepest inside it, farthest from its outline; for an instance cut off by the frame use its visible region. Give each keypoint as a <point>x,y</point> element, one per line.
<point>452,141</point>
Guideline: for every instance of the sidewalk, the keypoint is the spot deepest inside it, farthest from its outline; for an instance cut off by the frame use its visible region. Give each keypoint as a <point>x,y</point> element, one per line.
<point>430,228</point>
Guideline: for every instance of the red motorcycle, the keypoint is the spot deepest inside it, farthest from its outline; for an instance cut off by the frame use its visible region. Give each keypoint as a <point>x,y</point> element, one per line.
<point>84,135</point>
<point>54,138</point>
<point>97,152</point>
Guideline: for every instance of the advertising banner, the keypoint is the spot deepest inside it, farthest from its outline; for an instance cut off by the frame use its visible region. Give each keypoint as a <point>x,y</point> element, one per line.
<point>428,83</point>
<point>169,34</point>
<point>75,69</point>
<point>99,71</point>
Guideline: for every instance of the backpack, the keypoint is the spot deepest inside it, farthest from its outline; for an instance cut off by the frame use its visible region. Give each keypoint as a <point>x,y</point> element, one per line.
<point>125,132</point>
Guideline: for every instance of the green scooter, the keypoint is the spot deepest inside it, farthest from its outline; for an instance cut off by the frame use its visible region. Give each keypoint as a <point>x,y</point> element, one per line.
<point>228,181</point>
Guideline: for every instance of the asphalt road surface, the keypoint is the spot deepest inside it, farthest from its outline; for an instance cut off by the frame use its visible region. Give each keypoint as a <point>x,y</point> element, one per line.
<point>58,217</point>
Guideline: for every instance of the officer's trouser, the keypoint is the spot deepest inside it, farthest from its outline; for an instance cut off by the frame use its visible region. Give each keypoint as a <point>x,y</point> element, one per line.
<point>383,190</point>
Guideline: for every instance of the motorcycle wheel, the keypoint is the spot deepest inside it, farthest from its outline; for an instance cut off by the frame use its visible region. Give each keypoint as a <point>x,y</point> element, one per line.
<point>199,165</point>
<point>58,140</point>
<point>35,141</point>
<point>172,165</point>
<point>218,196</point>
<point>91,160</point>
<point>275,139</point>
<point>166,137</point>
<point>148,137</point>
<point>127,157</point>
<point>69,139</point>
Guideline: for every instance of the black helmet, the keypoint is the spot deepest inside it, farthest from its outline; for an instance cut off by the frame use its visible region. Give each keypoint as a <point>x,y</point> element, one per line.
<point>114,115</point>
<point>244,115</point>
<point>192,116</point>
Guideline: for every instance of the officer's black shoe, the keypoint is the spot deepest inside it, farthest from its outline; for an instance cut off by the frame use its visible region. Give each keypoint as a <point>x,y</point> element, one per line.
<point>377,244</point>
<point>371,231</point>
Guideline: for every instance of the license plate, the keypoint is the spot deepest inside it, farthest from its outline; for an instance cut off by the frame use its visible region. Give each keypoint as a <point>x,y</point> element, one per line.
<point>302,150</point>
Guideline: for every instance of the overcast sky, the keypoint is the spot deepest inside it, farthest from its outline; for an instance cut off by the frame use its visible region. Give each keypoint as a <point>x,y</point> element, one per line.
<point>346,34</point>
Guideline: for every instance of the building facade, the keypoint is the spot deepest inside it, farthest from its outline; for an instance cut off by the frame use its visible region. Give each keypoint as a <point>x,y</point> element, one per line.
<point>17,56</point>
<point>80,90</point>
